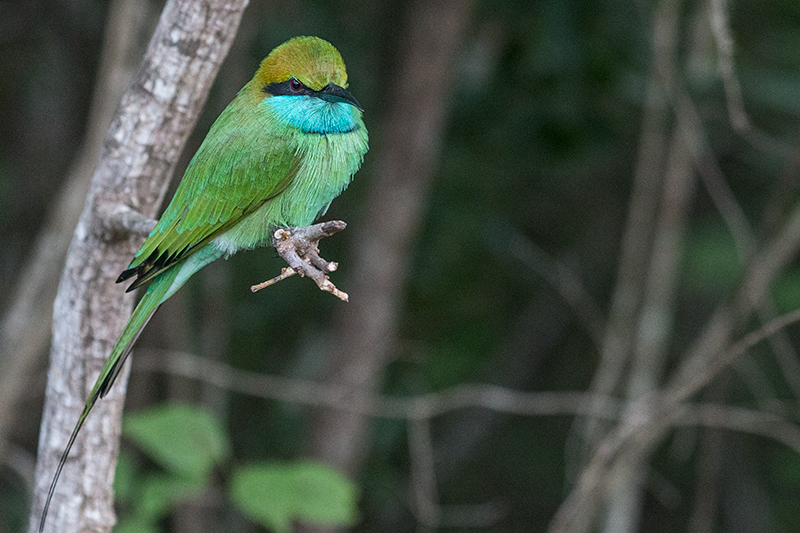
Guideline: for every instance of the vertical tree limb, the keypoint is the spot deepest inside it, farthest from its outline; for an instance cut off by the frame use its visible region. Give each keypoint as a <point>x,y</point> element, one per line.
<point>654,329</point>
<point>712,352</point>
<point>406,157</point>
<point>617,346</point>
<point>154,119</point>
<point>619,342</point>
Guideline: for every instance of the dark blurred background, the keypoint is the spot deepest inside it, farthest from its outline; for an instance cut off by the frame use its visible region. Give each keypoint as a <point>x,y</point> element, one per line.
<point>541,175</point>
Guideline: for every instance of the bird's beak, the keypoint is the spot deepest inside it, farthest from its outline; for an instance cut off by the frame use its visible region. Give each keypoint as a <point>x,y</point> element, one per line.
<point>334,93</point>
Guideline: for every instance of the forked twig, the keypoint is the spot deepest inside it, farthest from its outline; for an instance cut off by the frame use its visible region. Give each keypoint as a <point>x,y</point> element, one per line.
<point>298,246</point>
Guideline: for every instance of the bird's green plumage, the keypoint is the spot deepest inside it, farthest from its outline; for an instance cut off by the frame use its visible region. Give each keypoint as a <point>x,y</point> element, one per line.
<point>282,150</point>
<point>226,181</point>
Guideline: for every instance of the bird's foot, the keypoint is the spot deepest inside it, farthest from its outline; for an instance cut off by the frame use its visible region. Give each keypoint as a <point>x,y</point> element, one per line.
<point>299,248</point>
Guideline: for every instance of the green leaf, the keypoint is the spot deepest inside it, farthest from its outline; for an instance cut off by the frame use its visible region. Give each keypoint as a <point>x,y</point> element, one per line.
<point>276,494</point>
<point>184,440</point>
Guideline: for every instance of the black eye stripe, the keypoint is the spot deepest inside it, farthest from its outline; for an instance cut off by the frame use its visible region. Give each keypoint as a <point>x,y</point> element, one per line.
<point>286,88</point>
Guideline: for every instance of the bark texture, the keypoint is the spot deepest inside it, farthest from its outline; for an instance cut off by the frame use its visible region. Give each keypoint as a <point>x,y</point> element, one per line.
<point>145,139</point>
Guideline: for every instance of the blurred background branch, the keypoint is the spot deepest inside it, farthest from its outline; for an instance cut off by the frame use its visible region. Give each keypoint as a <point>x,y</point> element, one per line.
<point>408,146</point>
<point>22,337</point>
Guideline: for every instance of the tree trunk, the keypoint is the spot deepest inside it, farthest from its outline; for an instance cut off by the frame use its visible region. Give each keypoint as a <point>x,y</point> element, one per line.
<point>145,139</point>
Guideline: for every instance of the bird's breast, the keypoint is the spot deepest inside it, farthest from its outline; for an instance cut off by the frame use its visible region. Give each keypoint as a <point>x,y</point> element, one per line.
<point>325,165</point>
<point>328,163</point>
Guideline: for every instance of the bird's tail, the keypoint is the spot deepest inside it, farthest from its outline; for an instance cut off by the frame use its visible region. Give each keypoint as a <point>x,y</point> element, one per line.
<point>162,287</point>
<point>147,306</point>
<point>152,299</point>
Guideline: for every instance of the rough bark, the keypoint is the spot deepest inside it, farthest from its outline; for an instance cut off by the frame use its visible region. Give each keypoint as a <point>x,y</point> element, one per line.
<point>144,141</point>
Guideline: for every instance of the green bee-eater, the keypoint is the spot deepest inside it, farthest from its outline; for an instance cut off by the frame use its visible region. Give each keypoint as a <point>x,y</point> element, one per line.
<point>283,149</point>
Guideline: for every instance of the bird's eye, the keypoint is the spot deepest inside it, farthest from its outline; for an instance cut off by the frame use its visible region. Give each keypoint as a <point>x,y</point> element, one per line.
<point>295,85</point>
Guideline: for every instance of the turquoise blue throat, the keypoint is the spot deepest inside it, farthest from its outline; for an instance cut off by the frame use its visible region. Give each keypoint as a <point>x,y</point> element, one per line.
<point>314,115</point>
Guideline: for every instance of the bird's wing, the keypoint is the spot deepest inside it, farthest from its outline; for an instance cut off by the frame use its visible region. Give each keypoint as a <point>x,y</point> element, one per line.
<point>224,182</point>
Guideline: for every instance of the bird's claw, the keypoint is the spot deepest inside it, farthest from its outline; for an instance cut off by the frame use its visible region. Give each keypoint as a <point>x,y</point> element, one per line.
<point>298,246</point>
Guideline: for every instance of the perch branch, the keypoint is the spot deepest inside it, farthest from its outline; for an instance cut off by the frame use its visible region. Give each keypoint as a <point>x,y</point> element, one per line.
<point>299,248</point>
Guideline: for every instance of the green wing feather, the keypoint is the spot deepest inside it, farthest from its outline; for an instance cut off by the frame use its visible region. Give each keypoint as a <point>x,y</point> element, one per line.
<point>225,181</point>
